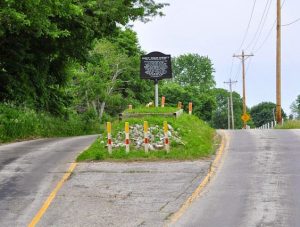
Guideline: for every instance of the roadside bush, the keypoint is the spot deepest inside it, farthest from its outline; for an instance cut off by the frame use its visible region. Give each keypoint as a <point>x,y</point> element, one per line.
<point>21,123</point>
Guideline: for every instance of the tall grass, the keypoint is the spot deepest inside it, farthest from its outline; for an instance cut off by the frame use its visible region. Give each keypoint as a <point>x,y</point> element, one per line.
<point>293,124</point>
<point>21,123</point>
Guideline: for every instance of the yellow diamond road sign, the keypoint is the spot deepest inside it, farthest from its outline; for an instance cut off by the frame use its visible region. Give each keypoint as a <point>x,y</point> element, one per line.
<point>245,117</point>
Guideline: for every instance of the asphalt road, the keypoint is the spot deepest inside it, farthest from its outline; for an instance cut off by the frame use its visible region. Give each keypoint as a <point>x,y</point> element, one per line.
<point>29,171</point>
<point>258,183</point>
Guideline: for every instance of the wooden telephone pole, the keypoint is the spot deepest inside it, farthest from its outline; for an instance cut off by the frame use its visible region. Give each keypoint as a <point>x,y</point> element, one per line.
<point>230,82</point>
<point>278,65</point>
<point>243,57</point>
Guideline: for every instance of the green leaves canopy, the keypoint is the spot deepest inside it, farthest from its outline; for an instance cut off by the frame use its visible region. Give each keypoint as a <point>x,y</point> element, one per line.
<point>295,107</point>
<point>195,71</point>
<point>38,38</point>
<point>263,113</point>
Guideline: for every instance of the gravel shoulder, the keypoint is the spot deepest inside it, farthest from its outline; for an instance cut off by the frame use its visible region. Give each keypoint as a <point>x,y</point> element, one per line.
<point>124,194</point>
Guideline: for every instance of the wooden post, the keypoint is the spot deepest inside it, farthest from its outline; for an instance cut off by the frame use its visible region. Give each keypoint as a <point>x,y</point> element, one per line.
<point>278,65</point>
<point>163,99</point>
<point>190,108</point>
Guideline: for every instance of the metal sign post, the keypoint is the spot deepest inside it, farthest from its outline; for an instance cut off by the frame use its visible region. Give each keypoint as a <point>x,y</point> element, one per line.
<point>156,92</point>
<point>156,66</point>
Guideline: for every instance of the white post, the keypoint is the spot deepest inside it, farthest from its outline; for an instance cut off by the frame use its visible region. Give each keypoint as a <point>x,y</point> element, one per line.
<point>156,92</point>
<point>146,139</point>
<point>109,140</point>
<point>127,145</point>
<point>272,124</point>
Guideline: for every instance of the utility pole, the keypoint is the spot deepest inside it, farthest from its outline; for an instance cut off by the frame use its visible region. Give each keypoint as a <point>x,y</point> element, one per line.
<point>228,112</point>
<point>230,82</point>
<point>243,57</point>
<point>278,65</point>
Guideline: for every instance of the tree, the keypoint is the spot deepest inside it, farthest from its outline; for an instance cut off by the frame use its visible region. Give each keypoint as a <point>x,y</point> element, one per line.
<point>192,82</point>
<point>220,113</point>
<point>203,103</point>
<point>295,107</point>
<point>110,78</point>
<point>195,71</point>
<point>263,113</point>
<point>38,39</point>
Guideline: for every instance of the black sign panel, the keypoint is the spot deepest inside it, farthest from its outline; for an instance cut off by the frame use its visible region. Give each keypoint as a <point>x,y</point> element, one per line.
<point>156,66</point>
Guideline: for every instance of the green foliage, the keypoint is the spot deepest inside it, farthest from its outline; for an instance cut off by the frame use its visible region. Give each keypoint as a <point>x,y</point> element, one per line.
<point>197,136</point>
<point>203,103</point>
<point>17,123</point>
<point>291,124</point>
<point>220,114</point>
<point>263,113</point>
<point>38,39</point>
<point>109,81</point>
<point>295,107</point>
<point>193,70</point>
<point>193,82</point>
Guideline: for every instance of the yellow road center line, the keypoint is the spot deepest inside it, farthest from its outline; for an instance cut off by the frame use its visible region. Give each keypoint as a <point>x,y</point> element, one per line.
<point>175,217</point>
<point>52,195</point>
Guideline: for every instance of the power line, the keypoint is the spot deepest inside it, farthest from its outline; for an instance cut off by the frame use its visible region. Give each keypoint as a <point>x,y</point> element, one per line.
<point>238,72</point>
<point>248,26</point>
<point>269,33</point>
<point>231,67</point>
<point>248,65</point>
<point>266,38</point>
<point>288,24</point>
<point>263,25</point>
<point>230,82</point>
<point>259,26</point>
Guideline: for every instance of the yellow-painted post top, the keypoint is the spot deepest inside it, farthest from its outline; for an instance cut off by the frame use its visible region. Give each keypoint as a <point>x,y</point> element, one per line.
<point>165,126</point>
<point>126,127</point>
<point>146,126</point>
<point>108,127</point>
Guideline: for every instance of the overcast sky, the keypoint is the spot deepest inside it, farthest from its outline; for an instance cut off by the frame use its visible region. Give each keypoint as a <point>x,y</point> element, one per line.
<point>216,29</point>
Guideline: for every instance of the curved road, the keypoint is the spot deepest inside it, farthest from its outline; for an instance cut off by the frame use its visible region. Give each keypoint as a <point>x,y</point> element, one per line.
<point>258,183</point>
<point>29,171</point>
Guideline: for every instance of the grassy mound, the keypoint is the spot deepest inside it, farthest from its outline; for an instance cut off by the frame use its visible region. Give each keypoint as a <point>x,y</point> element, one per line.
<point>197,136</point>
<point>294,124</point>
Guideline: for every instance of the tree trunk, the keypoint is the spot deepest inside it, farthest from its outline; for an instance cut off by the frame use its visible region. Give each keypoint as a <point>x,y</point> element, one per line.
<point>87,100</point>
<point>101,111</point>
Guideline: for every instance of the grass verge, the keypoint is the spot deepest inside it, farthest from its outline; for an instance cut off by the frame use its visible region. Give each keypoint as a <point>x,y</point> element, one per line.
<point>21,124</point>
<point>294,124</point>
<point>197,136</point>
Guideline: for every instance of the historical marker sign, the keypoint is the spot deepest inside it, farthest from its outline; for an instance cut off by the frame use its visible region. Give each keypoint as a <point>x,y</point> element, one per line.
<point>156,66</point>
